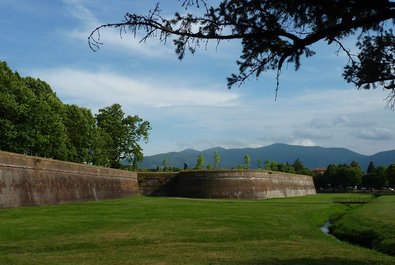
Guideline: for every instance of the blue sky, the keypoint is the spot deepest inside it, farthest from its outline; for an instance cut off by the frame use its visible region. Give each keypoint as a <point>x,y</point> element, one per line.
<point>187,102</point>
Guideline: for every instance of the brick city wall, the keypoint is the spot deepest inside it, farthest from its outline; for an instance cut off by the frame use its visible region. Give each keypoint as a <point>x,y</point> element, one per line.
<point>243,184</point>
<point>26,180</point>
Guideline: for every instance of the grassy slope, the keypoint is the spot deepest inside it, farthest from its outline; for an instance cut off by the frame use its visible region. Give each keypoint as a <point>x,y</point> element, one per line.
<point>372,225</point>
<point>140,230</point>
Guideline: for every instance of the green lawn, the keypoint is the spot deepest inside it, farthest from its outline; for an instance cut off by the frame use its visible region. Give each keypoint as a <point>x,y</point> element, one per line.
<point>372,225</point>
<point>148,230</point>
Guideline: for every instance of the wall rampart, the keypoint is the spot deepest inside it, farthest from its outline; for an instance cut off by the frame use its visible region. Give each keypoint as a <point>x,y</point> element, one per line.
<point>26,180</point>
<point>244,184</point>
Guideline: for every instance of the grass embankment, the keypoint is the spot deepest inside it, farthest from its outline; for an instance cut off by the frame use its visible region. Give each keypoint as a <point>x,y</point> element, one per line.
<point>371,225</point>
<point>144,230</point>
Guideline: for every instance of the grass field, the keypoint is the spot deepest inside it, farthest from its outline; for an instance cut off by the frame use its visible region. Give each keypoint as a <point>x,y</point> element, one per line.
<point>147,230</point>
<point>372,225</point>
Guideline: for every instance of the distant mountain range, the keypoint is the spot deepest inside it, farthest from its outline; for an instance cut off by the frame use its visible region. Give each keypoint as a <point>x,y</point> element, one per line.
<point>311,156</point>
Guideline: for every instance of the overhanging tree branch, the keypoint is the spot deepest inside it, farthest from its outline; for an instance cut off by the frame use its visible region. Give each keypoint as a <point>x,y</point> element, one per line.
<point>275,32</point>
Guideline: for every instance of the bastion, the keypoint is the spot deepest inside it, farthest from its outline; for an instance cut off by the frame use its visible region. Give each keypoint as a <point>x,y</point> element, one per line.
<point>241,184</point>
<point>27,180</point>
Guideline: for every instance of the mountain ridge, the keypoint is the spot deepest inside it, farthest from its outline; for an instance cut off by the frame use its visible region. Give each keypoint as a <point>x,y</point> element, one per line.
<point>311,156</point>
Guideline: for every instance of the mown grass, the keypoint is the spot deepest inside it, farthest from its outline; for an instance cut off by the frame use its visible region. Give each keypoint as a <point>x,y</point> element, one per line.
<point>372,225</point>
<point>147,230</point>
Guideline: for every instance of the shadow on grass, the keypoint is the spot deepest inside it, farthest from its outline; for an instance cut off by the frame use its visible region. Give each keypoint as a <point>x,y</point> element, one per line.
<point>312,261</point>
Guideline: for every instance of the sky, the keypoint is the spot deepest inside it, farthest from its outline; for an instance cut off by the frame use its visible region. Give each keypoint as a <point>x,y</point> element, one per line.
<point>187,102</point>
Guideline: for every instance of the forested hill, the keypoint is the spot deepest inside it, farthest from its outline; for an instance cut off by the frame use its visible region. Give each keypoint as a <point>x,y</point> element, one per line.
<point>311,156</point>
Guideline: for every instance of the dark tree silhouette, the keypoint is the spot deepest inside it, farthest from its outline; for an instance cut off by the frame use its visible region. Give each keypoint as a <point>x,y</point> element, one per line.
<point>274,32</point>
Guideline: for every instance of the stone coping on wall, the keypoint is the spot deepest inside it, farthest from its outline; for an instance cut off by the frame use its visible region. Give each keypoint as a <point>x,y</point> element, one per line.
<point>12,160</point>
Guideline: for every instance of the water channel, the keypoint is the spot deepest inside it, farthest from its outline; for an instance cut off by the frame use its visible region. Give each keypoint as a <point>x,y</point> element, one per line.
<point>325,229</point>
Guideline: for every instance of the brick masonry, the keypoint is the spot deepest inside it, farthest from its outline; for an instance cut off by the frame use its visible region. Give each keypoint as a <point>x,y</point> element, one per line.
<point>27,180</point>
<point>243,184</point>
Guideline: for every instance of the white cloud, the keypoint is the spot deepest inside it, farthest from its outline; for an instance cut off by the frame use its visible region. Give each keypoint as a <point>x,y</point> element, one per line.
<point>303,142</point>
<point>376,134</point>
<point>104,88</point>
<point>78,10</point>
<point>114,39</point>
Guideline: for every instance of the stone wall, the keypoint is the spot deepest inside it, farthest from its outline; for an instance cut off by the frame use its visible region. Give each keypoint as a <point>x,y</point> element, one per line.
<point>157,183</point>
<point>242,184</point>
<point>226,184</point>
<point>26,180</point>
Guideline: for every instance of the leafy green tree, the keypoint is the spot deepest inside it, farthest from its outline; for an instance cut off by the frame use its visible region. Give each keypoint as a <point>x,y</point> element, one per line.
<point>285,167</point>
<point>44,129</point>
<point>35,121</point>
<point>81,131</point>
<point>290,169</point>
<point>273,166</point>
<point>298,166</point>
<point>356,173</point>
<point>376,179</point>
<point>320,181</point>
<point>351,174</point>
<point>15,98</point>
<point>101,154</point>
<point>266,165</point>
<point>342,176</point>
<point>390,172</point>
<point>281,167</point>
<point>247,161</point>
<point>199,162</point>
<point>122,135</point>
<point>330,177</point>
<point>217,159</point>
<point>259,164</point>
<point>31,120</point>
<point>166,164</point>
<point>370,167</point>
<point>274,32</point>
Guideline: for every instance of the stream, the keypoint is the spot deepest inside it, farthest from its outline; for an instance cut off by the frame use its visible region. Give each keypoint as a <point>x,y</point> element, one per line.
<point>325,229</point>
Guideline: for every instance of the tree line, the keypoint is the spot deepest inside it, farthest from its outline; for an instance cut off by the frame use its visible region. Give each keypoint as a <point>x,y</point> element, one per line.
<point>296,167</point>
<point>346,176</point>
<point>334,177</point>
<point>34,121</point>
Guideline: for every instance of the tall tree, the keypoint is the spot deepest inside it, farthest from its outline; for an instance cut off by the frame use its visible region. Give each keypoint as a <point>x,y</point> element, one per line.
<point>81,131</point>
<point>376,179</point>
<point>247,161</point>
<point>122,135</point>
<point>370,167</point>
<point>298,166</point>
<point>330,178</point>
<point>274,32</point>
<point>217,159</point>
<point>390,172</point>
<point>34,121</point>
<point>166,164</point>
<point>200,162</point>
<point>259,164</point>
<point>15,98</point>
<point>46,132</point>
<point>31,120</point>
